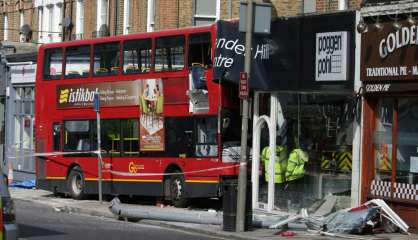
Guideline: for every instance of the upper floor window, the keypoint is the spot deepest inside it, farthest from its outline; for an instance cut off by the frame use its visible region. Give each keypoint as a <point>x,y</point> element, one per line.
<point>309,6</point>
<point>205,12</point>
<point>77,61</point>
<point>137,56</point>
<point>79,23</point>
<point>52,63</point>
<point>101,13</point>
<point>169,53</point>
<point>106,59</point>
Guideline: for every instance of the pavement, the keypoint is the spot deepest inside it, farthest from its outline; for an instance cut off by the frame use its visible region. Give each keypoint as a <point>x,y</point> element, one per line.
<point>94,208</point>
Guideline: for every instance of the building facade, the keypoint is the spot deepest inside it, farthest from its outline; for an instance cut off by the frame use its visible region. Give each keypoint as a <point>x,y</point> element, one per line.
<point>44,21</point>
<point>389,76</point>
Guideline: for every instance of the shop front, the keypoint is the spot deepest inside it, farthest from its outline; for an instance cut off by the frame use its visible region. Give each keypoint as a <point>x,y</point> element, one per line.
<point>305,130</point>
<point>389,75</point>
<point>304,110</point>
<point>19,116</point>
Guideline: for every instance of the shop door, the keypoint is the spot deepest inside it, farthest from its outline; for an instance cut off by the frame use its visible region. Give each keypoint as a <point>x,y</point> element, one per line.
<point>395,154</point>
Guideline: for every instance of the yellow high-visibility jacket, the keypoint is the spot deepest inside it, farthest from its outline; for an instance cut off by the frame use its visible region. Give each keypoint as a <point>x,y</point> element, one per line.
<point>295,167</point>
<point>279,164</point>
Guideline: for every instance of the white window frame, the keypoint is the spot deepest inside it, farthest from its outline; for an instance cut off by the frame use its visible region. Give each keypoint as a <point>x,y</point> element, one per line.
<point>6,28</point>
<point>21,23</point>
<point>40,23</point>
<point>49,23</point>
<point>342,4</point>
<point>126,16</point>
<point>101,13</point>
<point>57,23</point>
<point>79,23</point>
<point>311,6</point>
<point>208,17</point>
<point>150,15</point>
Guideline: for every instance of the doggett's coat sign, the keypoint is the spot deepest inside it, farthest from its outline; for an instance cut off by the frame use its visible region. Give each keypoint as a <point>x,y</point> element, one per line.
<point>389,55</point>
<point>123,93</point>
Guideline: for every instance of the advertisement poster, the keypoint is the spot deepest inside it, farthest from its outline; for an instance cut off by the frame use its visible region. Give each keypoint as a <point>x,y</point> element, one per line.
<point>112,94</point>
<point>151,103</point>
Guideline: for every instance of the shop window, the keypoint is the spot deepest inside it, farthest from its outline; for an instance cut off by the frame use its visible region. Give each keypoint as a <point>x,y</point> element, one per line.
<point>24,110</point>
<point>106,59</point>
<point>52,64</point>
<point>130,137</point>
<point>396,125</point>
<point>77,61</point>
<point>206,144</point>
<point>382,139</point>
<point>169,53</point>
<point>137,56</point>
<point>407,141</point>
<point>313,150</point>
<point>77,136</point>
<point>56,136</point>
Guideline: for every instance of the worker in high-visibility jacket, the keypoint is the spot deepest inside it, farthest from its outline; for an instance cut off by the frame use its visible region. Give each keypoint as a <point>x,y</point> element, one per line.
<point>279,163</point>
<point>295,167</point>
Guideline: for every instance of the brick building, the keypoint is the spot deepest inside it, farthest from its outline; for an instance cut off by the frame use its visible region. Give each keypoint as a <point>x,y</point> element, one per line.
<point>57,20</point>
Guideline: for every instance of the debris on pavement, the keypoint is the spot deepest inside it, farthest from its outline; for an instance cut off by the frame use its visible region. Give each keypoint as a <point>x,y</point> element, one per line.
<point>27,184</point>
<point>374,216</point>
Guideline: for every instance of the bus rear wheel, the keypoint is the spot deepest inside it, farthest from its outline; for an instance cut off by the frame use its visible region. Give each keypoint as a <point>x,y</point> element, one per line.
<point>76,183</point>
<point>177,190</point>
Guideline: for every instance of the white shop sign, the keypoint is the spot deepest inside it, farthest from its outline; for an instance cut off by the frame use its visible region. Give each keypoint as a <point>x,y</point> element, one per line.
<point>331,56</point>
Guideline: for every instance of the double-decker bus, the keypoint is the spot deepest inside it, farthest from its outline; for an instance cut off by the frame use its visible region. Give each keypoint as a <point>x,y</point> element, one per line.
<point>167,129</point>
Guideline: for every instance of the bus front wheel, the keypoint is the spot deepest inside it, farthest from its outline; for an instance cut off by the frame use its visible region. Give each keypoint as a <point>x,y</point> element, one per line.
<point>76,183</point>
<point>177,191</point>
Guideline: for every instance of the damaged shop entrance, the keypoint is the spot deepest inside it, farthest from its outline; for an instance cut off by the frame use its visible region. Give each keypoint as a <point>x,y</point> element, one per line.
<point>303,143</point>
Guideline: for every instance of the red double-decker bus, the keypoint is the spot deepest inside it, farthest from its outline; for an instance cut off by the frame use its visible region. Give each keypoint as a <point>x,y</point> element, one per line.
<point>167,129</point>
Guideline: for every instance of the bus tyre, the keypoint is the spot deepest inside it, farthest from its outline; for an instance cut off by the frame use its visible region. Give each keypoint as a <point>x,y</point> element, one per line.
<point>76,183</point>
<point>177,193</point>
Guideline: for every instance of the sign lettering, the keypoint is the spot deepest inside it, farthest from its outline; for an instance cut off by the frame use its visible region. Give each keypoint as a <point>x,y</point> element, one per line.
<point>331,56</point>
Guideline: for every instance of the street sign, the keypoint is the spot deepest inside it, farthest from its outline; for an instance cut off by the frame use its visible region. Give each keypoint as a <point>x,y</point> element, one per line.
<point>243,85</point>
<point>96,101</point>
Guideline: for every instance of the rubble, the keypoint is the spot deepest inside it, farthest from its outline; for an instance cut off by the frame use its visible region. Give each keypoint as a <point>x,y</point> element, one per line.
<point>374,216</point>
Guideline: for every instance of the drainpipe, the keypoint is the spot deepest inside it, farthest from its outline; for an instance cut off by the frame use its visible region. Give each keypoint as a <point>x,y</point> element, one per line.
<point>4,160</point>
<point>63,38</point>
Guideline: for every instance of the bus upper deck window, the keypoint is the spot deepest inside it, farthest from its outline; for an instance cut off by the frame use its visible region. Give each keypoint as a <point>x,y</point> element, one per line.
<point>137,56</point>
<point>169,53</point>
<point>52,63</point>
<point>200,49</point>
<point>77,61</point>
<point>106,59</point>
